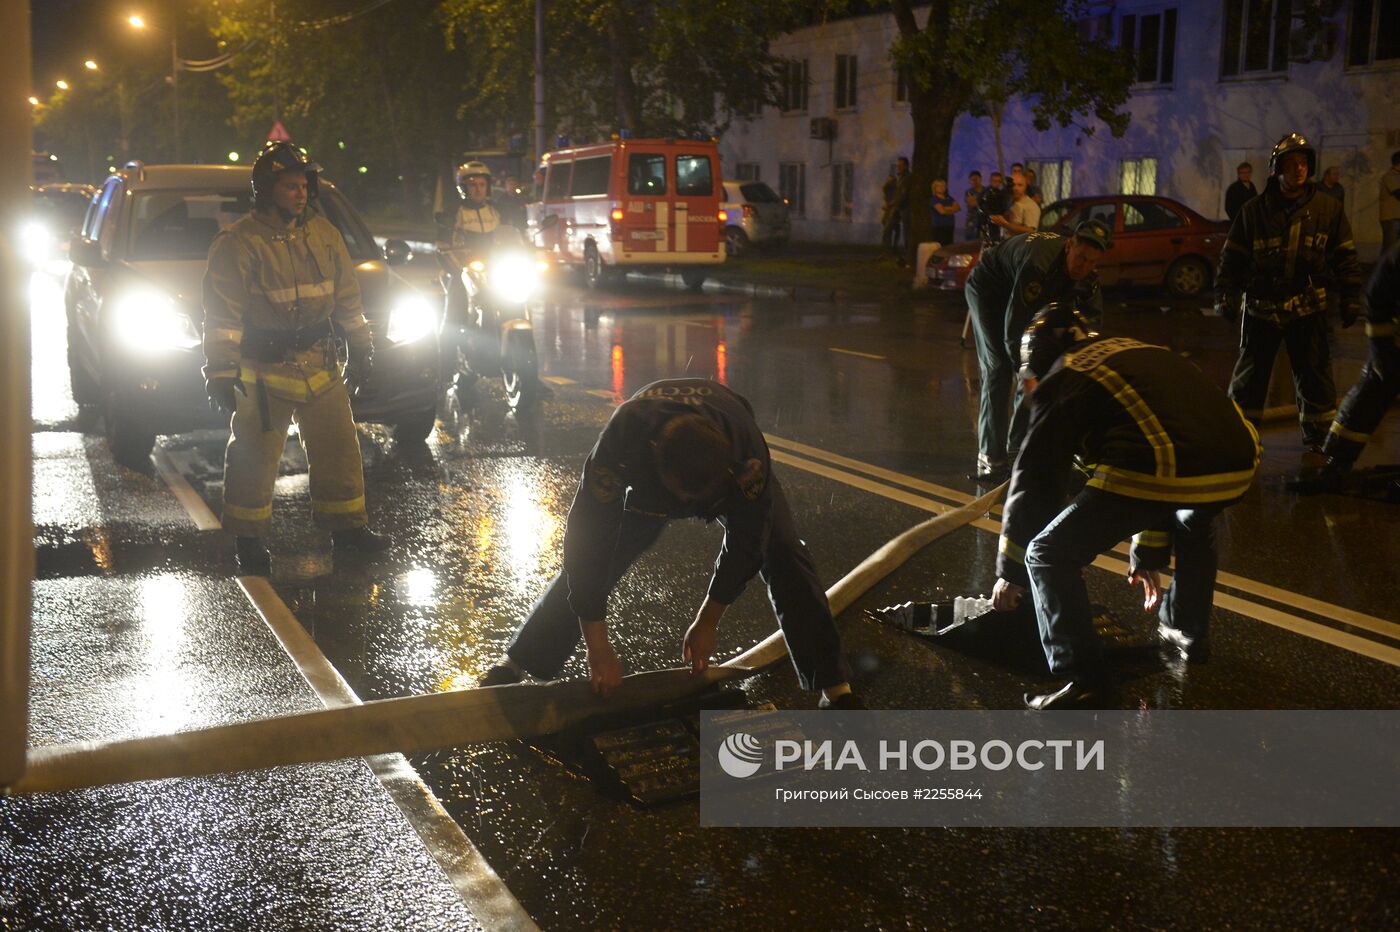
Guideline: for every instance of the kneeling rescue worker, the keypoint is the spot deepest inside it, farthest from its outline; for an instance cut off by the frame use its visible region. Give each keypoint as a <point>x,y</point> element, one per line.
<point>679,448</point>
<point>1169,451</point>
<point>279,282</point>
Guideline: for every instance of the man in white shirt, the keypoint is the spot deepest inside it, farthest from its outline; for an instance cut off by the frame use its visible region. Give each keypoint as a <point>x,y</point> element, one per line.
<point>1023,216</point>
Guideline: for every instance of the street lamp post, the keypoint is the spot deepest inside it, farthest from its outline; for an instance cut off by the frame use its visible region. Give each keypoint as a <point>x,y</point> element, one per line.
<point>139,22</point>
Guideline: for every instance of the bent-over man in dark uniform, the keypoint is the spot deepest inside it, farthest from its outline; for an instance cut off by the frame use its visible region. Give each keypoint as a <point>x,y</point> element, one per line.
<point>679,448</point>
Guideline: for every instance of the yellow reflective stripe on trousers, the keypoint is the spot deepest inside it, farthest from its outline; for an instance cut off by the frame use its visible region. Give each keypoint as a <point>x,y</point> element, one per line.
<point>1163,450</point>
<point>1152,538</point>
<point>347,506</point>
<point>1351,435</point>
<point>1385,329</point>
<point>247,514</point>
<point>1011,550</point>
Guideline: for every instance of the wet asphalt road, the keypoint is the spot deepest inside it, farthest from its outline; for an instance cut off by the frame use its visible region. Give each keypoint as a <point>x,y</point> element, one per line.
<point>478,519</point>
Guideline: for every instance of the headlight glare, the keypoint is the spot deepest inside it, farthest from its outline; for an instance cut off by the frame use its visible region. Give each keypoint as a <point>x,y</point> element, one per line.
<point>514,278</point>
<point>147,321</point>
<point>412,318</point>
<point>960,261</point>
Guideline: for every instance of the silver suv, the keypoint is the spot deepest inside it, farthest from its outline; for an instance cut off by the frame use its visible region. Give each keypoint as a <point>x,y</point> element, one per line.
<point>133,301</point>
<point>757,216</point>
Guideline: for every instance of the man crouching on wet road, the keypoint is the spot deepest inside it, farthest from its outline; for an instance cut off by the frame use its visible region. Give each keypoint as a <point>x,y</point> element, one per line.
<point>679,448</point>
<point>1169,451</point>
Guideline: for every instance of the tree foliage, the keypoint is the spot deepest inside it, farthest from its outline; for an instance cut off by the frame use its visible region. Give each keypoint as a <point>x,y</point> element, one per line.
<point>979,55</point>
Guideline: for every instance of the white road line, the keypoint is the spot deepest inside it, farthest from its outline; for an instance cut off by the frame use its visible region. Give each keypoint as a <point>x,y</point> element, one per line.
<point>601,393</point>
<point>1242,583</point>
<point>1266,614</point>
<point>480,887</point>
<point>851,352</point>
<point>194,506</point>
<point>557,380</point>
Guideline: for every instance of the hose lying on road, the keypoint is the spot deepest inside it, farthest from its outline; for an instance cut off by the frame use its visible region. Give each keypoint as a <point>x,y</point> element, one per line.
<point>413,724</point>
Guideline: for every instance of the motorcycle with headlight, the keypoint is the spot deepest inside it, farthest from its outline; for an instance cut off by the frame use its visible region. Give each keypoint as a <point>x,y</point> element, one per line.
<point>486,330</point>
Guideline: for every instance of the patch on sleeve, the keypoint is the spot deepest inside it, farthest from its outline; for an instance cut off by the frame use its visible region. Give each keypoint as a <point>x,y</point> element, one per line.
<point>1031,292</point>
<point>752,479</point>
<point>604,484</point>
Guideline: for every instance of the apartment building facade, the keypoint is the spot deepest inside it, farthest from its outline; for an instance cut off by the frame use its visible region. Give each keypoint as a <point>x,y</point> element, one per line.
<point>1218,82</point>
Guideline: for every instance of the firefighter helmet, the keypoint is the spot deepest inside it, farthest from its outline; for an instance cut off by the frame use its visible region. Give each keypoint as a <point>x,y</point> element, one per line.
<point>471,169</point>
<point>276,158</point>
<point>1057,326</point>
<point>1293,142</point>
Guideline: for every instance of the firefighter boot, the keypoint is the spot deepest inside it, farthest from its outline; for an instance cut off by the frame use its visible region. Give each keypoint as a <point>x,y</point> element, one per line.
<point>359,540</point>
<point>253,558</point>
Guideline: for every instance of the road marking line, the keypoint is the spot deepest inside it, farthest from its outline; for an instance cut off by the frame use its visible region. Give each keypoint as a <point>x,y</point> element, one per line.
<point>194,506</point>
<point>480,888</point>
<point>851,352</point>
<point>1242,583</point>
<point>1266,614</point>
<point>601,393</point>
<point>557,380</point>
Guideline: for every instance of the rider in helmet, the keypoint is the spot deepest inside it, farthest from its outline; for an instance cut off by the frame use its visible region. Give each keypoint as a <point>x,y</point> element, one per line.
<point>1285,249</point>
<point>477,219</point>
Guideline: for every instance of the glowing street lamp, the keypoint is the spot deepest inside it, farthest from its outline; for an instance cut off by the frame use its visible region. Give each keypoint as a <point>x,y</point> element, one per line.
<point>61,84</point>
<point>90,65</point>
<point>33,101</point>
<point>136,22</point>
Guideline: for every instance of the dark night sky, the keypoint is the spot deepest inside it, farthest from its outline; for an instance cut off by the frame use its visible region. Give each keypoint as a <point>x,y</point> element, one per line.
<point>65,32</point>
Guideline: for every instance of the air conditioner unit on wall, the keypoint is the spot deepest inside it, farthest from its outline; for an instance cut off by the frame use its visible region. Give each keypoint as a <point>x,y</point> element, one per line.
<point>823,128</point>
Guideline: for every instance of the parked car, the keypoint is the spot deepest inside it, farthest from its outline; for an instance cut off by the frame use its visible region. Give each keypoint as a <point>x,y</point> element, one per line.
<point>633,203</point>
<point>755,215</point>
<point>58,214</point>
<point>1156,241</point>
<point>133,299</point>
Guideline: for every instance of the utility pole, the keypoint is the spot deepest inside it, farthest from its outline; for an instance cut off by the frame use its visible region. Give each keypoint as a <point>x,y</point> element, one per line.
<point>539,84</point>
<point>175,73</point>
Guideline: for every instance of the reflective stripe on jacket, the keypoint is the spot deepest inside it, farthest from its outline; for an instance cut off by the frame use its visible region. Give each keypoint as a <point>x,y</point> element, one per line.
<point>272,277</point>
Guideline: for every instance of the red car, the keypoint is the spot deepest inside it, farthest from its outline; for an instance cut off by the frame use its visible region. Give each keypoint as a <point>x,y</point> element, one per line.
<point>1156,240</point>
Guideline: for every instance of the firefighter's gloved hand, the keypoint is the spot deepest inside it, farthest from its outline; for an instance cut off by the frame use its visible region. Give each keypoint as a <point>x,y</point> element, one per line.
<point>1350,313</point>
<point>1228,307</point>
<point>220,390</point>
<point>1385,358</point>
<point>358,367</point>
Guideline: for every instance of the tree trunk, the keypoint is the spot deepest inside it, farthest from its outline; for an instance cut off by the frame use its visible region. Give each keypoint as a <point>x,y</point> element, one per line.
<point>934,113</point>
<point>624,87</point>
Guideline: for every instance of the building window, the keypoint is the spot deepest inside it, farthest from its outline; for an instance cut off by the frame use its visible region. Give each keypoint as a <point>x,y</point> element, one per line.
<point>842,181</point>
<point>1151,37</point>
<point>794,88</point>
<point>902,85</point>
<point>1052,177</point>
<point>792,185</point>
<point>1096,27</point>
<point>1374,35</point>
<point>1255,37</point>
<point>845,82</point>
<point>746,171</point>
<point>1137,176</point>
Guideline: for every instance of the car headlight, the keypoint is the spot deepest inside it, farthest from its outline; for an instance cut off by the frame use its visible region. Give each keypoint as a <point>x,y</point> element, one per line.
<point>515,278</point>
<point>412,318</point>
<point>961,261</point>
<point>37,242</point>
<point>147,321</point>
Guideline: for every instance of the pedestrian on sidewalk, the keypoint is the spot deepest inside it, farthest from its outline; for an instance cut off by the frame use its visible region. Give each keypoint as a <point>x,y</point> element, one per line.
<point>944,210</point>
<point>1240,191</point>
<point>1331,184</point>
<point>279,283</point>
<point>899,206</point>
<point>972,223</point>
<point>679,448</point>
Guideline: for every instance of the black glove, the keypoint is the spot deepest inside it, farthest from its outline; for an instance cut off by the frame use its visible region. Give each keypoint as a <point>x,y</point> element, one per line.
<point>358,368</point>
<point>220,390</point>
<point>1350,313</point>
<point>1385,357</point>
<point>1227,305</point>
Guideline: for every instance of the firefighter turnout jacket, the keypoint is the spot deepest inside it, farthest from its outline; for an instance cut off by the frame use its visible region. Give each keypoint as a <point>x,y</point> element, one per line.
<point>1282,254</point>
<point>271,292</point>
<point>1018,277</point>
<point>621,476</point>
<point>1379,385</point>
<point>1145,423</point>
